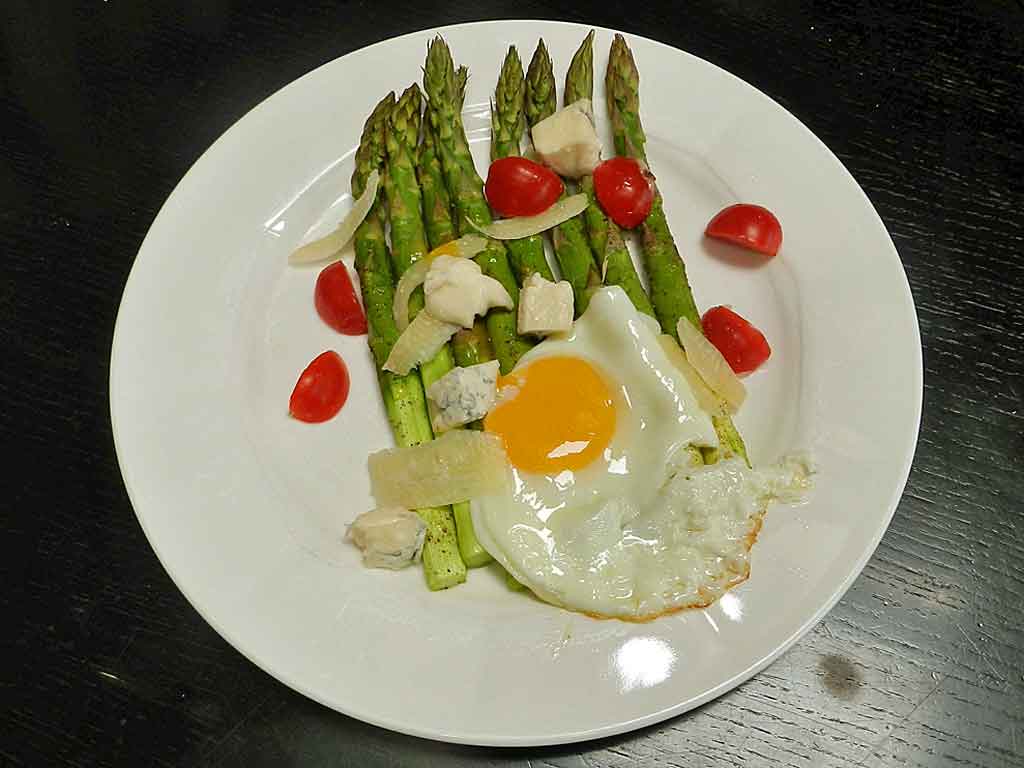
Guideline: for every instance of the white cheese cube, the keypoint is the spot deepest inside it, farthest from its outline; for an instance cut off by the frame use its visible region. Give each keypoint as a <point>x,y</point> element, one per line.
<point>456,291</point>
<point>463,395</point>
<point>567,142</point>
<point>545,307</point>
<point>390,537</point>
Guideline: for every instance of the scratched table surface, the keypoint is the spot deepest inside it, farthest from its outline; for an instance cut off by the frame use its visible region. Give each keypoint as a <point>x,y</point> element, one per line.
<point>105,105</point>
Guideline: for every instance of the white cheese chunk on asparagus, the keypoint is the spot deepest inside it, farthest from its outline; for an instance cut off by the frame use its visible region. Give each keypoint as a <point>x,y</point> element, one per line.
<point>463,395</point>
<point>456,291</point>
<point>567,142</point>
<point>545,307</point>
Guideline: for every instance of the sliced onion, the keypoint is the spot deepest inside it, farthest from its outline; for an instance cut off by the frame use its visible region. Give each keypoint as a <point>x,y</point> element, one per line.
<point>466,247</point>
<point>527,226</point>
<point>326,247</point>
<point>460,465</point>
<point>708,401</point>
<point>418,343</point>
<point>712,367</point>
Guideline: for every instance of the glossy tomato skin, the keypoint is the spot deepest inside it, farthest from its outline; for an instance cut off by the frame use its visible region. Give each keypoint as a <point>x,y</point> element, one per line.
<point>742,345</point>
<point>624,190</point>
<point>321,390</point>
<point>749,226</point>
<point>336,302</point>
<point>520,187</point>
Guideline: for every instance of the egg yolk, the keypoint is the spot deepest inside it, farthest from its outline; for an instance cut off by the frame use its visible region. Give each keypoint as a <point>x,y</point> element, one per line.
<point>560,417</point>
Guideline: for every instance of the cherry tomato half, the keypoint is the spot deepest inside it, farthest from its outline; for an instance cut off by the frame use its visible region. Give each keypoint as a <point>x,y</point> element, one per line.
<point>321,389</point>
<point>336,301</point>
<point>749,226</point>
<point>520,187</point>
<point>741,344</point>
<point>624,190</point>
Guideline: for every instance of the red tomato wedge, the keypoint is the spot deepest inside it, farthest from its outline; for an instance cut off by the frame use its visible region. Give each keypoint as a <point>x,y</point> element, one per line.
<point>749,226</point>
<point>321,389</point>
<point>336,301</point>
<point>624,190</point>
<point>520,187</point>
<point>743,346</point>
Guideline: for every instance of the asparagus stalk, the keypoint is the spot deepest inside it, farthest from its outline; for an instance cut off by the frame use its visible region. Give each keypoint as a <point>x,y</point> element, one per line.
<point>405,210</point>
<point>470,346</point>
<point>466,190</point>
<point>575,259</point>
<point>508,122</point>
<point>579,84</point>
<point>408,245</point>
<point>606,241</point>
<point>671,294</point>
<point>437,206</point>
<point>403,395</point>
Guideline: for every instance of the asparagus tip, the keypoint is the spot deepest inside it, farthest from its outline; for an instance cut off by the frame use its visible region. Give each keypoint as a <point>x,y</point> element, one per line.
<point>512,62</point>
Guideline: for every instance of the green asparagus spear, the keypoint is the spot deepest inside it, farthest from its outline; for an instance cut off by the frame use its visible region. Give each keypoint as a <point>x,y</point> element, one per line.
<point>403,395</point>
<point>670,290</point>
<point>408,245</point>
<point>508,122</point>
<point>405,210</point>
<point>575,259</point>
<point>606,241</point>
<point>472,346</point>
<point>540,97</point>
<point>437,206</point>
<point>466,190</point>
<point>401,187</point>
<point>374,270</point>
<point>620,270</point>
<point>579,78</point>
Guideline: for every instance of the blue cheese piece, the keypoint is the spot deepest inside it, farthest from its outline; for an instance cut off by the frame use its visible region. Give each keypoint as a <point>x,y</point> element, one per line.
<point>463,395</point>
<point>545,307</point>
<point>390,537</point>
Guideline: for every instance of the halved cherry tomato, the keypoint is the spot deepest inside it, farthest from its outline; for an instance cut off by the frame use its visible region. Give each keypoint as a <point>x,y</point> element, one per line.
<point>336,301</point>
<point>520,187</point>
<point>624,190</point>
<point>741,344</point>
<point>321,389</point>
<point>749,226</point>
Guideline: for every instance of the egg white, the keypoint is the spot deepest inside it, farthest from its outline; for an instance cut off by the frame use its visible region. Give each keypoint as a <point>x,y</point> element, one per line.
<point>641,530</point>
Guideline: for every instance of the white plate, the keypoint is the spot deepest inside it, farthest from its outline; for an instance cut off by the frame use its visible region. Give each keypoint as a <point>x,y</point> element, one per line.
<point>246,508</point>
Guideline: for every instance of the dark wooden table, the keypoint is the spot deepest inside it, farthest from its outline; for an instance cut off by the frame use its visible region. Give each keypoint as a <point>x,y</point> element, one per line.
<point>104,107</point>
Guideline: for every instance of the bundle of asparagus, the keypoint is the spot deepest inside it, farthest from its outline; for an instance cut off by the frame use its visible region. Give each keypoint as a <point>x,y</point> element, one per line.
<point>432,192</point>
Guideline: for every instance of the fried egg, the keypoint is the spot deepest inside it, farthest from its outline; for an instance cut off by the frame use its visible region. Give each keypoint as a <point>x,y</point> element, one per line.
<point>609,513</point>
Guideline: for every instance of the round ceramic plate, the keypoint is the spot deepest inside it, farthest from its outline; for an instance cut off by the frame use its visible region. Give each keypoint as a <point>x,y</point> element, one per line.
<point>246,507</point>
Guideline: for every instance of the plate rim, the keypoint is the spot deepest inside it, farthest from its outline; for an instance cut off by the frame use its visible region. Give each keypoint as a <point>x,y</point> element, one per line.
<point>569,737</point>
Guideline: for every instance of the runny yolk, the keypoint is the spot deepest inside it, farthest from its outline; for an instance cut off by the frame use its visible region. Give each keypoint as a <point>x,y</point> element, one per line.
<point>562,416</point>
